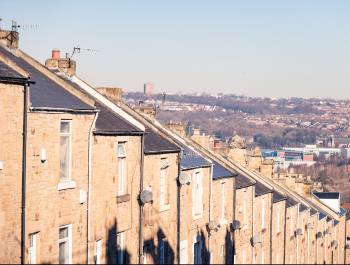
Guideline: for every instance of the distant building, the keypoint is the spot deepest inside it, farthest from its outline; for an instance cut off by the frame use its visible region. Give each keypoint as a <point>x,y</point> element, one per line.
<point>148,88</point>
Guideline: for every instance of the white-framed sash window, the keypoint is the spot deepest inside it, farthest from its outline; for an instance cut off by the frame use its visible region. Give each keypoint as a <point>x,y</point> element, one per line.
<point>263,213</point>
<point>278,218</point>
<point>162,186</point>
<point>196,191</point>
<point>65,149</point>
<point>65,244</point>
<point>120,248</point>
<point>97,256</point>
<point>222,201</point>
<point>121,169</point>
<point>32,249</point>
<point>222,255</point>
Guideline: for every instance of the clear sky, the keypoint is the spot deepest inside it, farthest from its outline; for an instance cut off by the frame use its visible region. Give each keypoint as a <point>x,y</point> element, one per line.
<point>296,48</point>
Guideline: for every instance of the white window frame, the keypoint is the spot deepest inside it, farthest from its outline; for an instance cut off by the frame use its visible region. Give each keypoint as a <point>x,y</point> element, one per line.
<point>145,249</point>
<point>244,206</point>
<point>69,149</point>
<point>222,255</point>
<point>291,222</point>
<point>121,162</point>
<point>243,256</point>
<point>120,249</point>
<point>98,251</point>
<point>277,256</point>
<point>262,257</point>
<point>68,239</point>
<point>32,249</point>
<point>161,252</point>
<point>222,201</point>
<point>162,186</point>
<point>291,259</point>
<point>196,191</point>
<point>278,218</point>
<point>263,213</point>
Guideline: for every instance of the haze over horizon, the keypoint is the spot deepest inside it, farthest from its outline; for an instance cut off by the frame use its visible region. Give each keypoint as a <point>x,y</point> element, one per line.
<point>257,48</point>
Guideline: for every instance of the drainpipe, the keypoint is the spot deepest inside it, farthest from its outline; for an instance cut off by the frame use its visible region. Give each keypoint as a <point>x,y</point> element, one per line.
<point>141,204</point>
<point>24,165</point>
<point>89,189</point>
<point>234,218</point>
<point>253,202</point>
<point>285,233</point>
<point>178,209</point>
<point>317,239</point>
<point>210,207</point>
<point>325,241</point>
<point>271,229</point>
<point>297,237</point>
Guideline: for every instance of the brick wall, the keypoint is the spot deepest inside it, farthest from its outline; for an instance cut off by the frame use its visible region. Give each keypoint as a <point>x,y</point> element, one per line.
<point>291,242</point>
<point>278,231</point>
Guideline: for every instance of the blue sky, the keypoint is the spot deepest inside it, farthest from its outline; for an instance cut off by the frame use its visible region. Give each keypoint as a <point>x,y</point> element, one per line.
<point>257,48</point>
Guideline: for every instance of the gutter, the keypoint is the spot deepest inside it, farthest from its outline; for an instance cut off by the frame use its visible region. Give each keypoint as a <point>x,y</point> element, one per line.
<point>119,133</point>
<point>89,189</point>
<point>61,109</point>
<point>178,209</point>
<point>141,204</point>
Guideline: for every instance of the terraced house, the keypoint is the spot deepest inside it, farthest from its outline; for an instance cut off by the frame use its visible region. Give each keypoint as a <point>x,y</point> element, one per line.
<point>84,178</point>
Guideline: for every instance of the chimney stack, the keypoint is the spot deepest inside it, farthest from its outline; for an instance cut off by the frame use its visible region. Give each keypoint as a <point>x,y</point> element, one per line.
<point>65,65</point>
<point>196,131</point>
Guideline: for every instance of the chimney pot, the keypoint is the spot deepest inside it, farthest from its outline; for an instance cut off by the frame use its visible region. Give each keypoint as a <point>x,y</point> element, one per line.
<point>56,54</point>
<point>216,143</point>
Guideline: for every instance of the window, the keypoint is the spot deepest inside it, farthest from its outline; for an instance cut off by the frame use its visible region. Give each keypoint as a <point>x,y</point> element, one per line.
<point>263,213</point>
<point>196,191</point>
<point>278,218</point>
<point>277,259</point>
<point>32,249</point>
<point>65,244</point>
<point>120,252</point>
<point>302,225</point>
<point>162,186</point>
<point>291,223</point>
<point>196,253</point>
<point>65,146</point>
<point>244,214</point>
<point>121,157</point>
<point>145,249</point>
<point>222,201</point>
<point>243,258</point>
<point>262,257</point>
<point>222,255</point>
<point>182,255</point>
<point>97,256</point>
<point>291,259</point>
<point>161,252</point>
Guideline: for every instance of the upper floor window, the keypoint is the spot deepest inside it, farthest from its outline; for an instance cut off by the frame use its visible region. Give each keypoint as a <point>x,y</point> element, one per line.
<point>163,165</point>
<point>278,218</point>
<point>263,213</point>
<point>121,158</point>
<point>196,192</point>
<point>244,208</point>
<point>161,248</point>
<point>222,201</point>
<point>65,150</point>
<point>32,249</point>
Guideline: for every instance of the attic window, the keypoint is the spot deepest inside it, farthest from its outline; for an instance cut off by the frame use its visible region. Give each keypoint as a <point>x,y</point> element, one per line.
<point>121,150</point>
<point>164,163</point>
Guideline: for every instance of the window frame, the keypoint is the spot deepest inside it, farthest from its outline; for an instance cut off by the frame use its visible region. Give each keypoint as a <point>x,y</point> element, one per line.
<point>222,201</point>
<point>69,149</point>
<point>222,254</point>
<point>291,222</point>
<point>32,249</point>
<point>162,251</point>
<point>196,248</point>
<point>68,239</point>
<point>121,250</point>
<point>262,257</point>
<point>196,191</point>
<point>98,251</point>
<point>121,162</point>
<point>162,186</point>
<point>263,213</point>
<point>278,218</point>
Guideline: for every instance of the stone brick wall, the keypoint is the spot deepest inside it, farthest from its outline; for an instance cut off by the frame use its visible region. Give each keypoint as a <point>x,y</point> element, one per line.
<point>110,213</point>
<point>160,221</point>
<point>321,242</point>
<point>222,240</point>
<point>291,241</point>
<point>278,242</point>
<point>243,236</point>
<point>347,259</point>
<point>11,117</point>
<point>193,225</point>
<point>303,239</point>
<point>313,220</point>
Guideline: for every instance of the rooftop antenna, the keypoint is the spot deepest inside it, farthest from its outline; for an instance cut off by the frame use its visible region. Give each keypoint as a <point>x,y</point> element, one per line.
<point>78,49</point>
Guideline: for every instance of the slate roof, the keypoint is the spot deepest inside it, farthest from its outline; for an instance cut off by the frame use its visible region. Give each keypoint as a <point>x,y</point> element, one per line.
<point>6,71</point>
<point>348,215</point>
<point>329,219</point>
<point>191,159</point>
<point>290,202</point>
<point>312,211</point>
<point>219,172</point>
<point>322,214</point>
<point>327,195</point>
<point>302,208</point>
<point>261,189</point>
<point>335,223</point>
<point>243,182</point>
<point>47,93</point>
<point>155,143</point>
<point>277,197</point>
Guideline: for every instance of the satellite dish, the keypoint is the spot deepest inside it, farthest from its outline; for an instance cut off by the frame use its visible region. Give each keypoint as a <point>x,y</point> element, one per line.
<point>347,247</point>
<point>309,226</point>
<point>236,225</point>
<point>256,239</point>
<point>212,224</point>
<point>184,178</point>
<point>299,232</point>
<point>319,235</point>
<point>146,196</point>
<point>334,243</point>
<point>327,232</point>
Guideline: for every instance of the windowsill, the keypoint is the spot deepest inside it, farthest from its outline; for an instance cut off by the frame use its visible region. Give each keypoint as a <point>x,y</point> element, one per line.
<point>263,230</point>
<point>123,198</point>
<point>245,227</point>
<point>198,216</point>
<point>278,233</point>
<point>164,208</point>
<point>67,185</point>
<point>223,222</point>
